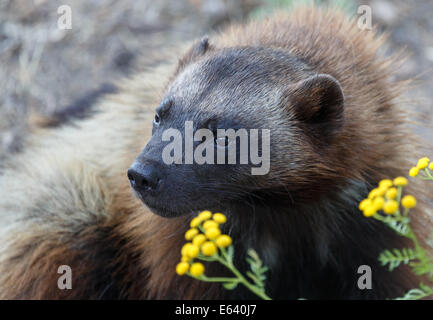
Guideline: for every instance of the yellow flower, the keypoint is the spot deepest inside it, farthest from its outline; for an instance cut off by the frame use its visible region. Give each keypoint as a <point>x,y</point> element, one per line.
<point>192,251</point>
<point>378,203</point>
<point>210,224</point>
<point>408,202</point>
<point>223,241</point>
<point>197,269</point>
<point>185,259</point>
<point>199,239</point>
<point>364,204</point>
<point>191,233</point>
<point>212,233</point>
<point>185,248</point>
<point>390,207</point>
<point>431,166</point>
<point>369,211</point>
<point>386,183</point>
<point>413,172</point>
<point>219,217</point>
<point>373,193</point>
<point>391,193</point>
<point>423,163</point>
<point>205,215</point>
<point>195,222</point>
<point>381,191</point>
<point>208,248</point>
<point>400,181</point>
<point>182,268</point>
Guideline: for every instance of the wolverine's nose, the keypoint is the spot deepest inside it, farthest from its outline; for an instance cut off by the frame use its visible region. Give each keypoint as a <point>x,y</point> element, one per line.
<point>143,177</point>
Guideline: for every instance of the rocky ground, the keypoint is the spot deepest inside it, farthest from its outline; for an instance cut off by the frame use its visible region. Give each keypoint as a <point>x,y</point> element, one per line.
<point>44,69</point>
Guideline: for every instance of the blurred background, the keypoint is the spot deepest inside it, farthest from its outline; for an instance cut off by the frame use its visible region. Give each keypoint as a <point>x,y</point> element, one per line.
<point>44,69</point>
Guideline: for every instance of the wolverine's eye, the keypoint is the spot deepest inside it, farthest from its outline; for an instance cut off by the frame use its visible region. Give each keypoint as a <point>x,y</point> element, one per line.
<point>157,119</point>
<point>222,141</point>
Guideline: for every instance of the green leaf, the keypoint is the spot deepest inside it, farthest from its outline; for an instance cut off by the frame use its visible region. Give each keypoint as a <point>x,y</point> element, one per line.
<point>400,226</point>
<point>417,294</point>
<point>423,267</point>
<point>230,285</point>
<point>396,257</point>
<point>257,268</point>
<point>256,280</point>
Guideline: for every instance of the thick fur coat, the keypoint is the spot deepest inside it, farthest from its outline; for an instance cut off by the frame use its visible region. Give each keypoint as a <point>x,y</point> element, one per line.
<point>66,199</point>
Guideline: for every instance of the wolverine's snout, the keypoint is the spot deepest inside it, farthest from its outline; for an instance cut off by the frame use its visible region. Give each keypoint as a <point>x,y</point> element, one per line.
<point>143,178</point>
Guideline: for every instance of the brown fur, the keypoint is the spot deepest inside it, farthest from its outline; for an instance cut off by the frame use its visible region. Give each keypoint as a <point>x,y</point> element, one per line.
<point>66,199</point>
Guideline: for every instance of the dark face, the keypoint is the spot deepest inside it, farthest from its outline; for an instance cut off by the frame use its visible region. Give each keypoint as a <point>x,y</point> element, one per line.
<point>180,172</point>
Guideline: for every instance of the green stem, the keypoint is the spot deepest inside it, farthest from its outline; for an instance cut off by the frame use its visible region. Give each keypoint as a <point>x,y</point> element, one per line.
<point>421,253</point>
<point>206,258</point>
<point>425,178</point>
<point>412,236</point>
<point>429,176</point>
<point>402,219</point>
<point>213,279</point>
<point>241,278</point>
<point>399,194</point>
<point>224,260</point>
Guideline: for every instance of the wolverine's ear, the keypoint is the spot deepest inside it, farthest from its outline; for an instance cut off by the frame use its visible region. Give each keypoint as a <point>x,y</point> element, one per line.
<point>318,101</point>
<point>201,47</point>
<point>198,49</point>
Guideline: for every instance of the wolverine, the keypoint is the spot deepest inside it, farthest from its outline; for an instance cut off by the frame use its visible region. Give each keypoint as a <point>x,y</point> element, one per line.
<point>95,194</point>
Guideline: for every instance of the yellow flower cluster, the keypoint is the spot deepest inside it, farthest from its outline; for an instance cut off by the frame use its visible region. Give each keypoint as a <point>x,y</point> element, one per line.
<point>422,164</point>
<point>386,197</point>
<point>205,236</point>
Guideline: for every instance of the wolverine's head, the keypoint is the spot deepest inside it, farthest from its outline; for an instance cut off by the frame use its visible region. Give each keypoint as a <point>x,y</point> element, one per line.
<point>236,126</point>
